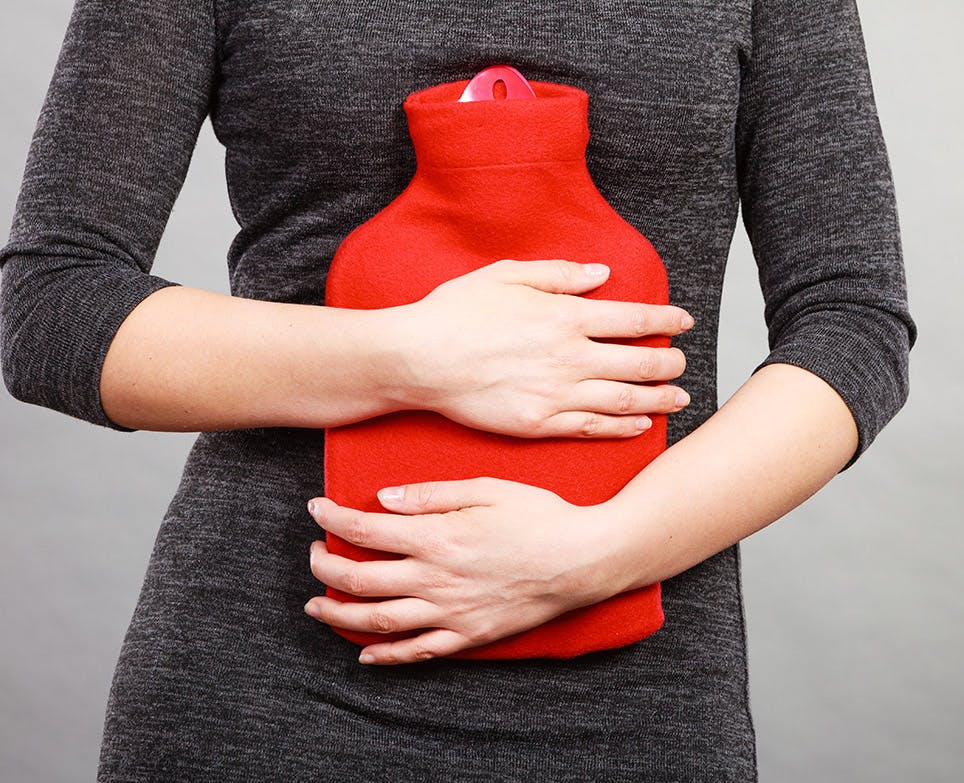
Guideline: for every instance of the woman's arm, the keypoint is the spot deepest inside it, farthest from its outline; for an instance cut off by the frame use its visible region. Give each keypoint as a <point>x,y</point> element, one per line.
<point>782,436</point>
<point>189,359</point>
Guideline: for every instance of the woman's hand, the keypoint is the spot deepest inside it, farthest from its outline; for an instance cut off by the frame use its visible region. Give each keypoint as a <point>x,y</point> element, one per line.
<point>485,558</point>
<point>507,348</point>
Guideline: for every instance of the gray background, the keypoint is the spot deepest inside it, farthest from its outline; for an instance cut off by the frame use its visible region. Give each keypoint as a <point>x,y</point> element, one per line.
<point>853,600</point>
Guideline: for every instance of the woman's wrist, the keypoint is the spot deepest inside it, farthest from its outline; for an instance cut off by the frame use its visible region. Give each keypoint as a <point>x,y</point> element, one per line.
<point>392,342</point>
<point>630,554</point>
<point>412,368</point>
<point>608,566</point>
<point>359,361</point>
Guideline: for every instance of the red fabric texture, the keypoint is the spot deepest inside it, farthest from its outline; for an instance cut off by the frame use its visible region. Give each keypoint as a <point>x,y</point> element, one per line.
<point>494,179</point>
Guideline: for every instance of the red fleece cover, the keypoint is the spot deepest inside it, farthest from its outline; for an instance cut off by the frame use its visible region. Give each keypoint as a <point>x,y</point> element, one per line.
<point>494,179</point>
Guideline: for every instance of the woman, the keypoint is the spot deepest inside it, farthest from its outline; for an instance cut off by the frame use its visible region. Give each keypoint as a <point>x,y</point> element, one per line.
<point>695,111</point>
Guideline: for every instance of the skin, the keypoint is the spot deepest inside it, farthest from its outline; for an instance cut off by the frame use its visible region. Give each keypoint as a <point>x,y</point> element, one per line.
<point>776,441</point>
<point>187,360</point>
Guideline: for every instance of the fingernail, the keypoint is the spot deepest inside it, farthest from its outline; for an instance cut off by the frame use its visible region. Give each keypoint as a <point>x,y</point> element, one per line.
<point>391,494</point>
<point>313,553</point>
<point>595,270</point>
<point>643,423</point>
<point>366,658</point>
<point>312,507</point>
<point>682,398</point>
<point>687,321</point>
<point>312,609</point>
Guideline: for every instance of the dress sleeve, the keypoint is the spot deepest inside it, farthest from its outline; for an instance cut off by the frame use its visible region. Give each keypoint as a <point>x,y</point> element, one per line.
<point>111,148</point>
<point>818,204</point>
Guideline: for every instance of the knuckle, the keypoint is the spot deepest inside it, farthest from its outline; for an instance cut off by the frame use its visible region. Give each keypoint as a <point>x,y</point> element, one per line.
<point>433,546</point>
<point>570,318</point>
<point>482,632</point>
<point>528,422</point>
<point>357,531</point>
<point>424,493</point>
<point>625,400</point>
<point>527,425</point>
<point>562,360</point>
<point>532,417</point>
<point>640,321</point>
<point>647,364</point>
<point>562,270</point>
<point>382,622</point>
<point>488,484</point>
<point>422,653</point>
<point>495,269</point>
<point>438,579</point>
<point>591,425</point>
<point>355,583</point>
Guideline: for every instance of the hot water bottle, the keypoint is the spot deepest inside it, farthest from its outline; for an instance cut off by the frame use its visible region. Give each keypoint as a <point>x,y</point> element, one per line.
<point>495,178</point>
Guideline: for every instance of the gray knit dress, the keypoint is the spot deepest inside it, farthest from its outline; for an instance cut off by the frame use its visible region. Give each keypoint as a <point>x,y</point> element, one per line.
<point>697,107</point>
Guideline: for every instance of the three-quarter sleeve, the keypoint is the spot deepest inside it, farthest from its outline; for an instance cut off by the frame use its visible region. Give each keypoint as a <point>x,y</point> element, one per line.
<point>818,204</point>
<point>116,134</point>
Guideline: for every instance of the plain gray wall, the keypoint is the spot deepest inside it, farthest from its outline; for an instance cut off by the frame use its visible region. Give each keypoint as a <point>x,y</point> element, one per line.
<point>853,601</point>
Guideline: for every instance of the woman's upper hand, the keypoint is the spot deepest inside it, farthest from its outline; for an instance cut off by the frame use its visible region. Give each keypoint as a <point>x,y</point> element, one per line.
<point>508,348</point>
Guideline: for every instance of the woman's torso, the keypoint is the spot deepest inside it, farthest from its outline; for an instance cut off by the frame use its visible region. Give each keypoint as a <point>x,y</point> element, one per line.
<point>308,106</point>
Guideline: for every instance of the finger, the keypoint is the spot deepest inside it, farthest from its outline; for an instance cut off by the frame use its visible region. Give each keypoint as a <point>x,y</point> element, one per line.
<point>400,614</point>
<point>609,318</point>
<point>554,275</point>
<point>442,496</point>
<point>364,578</point>
<point>637,363</point>
<point>625,399</point>
<point>386,532</point>
<point>587,424</point>
<point>431,644</point>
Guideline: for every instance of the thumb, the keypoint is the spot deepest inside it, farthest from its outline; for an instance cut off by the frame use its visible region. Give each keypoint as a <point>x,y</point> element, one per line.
<point>439,496</point>
<point>554,275</point>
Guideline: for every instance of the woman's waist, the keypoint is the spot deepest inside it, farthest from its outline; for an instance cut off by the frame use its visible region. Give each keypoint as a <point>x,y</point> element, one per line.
<point>250,471</point>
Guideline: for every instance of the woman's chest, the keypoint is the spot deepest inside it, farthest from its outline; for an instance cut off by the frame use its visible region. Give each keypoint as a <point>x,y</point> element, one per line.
<point>320,84</point>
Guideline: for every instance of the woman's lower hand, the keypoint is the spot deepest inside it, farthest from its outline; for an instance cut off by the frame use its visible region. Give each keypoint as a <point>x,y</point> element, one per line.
<point>485,558</point>
<point>508,348</point>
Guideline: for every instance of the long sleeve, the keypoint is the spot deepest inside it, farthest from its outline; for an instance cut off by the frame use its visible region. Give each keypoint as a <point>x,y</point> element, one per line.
<point>818,204</point>
<point>112,146</point>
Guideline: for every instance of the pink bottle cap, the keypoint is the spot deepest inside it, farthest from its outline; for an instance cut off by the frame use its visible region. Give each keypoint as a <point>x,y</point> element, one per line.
<point>482,85</point>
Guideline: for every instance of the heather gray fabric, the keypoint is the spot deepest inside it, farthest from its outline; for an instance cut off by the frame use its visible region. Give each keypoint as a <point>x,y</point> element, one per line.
<point>694,106</point>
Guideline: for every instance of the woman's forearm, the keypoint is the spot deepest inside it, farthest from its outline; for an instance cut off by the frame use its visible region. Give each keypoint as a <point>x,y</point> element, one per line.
<point>783,435</point>
<point>187,359</point>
